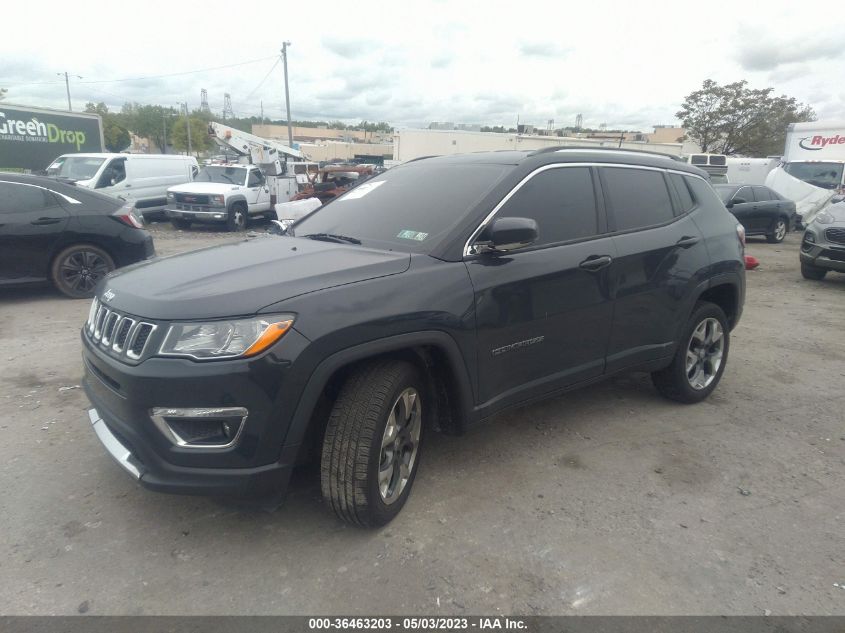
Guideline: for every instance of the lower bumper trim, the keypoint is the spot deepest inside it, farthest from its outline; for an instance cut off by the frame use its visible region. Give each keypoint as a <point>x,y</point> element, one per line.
<point>116,449</point>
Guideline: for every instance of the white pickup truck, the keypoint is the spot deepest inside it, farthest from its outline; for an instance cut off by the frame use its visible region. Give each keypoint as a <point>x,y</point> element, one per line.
<point>221,193</point>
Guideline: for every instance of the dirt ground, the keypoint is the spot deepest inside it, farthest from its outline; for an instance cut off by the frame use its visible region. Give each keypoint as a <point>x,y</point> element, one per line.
<point>610,500</point>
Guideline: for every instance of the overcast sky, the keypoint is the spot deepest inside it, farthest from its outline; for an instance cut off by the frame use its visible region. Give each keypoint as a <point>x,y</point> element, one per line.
<point>626,64</point>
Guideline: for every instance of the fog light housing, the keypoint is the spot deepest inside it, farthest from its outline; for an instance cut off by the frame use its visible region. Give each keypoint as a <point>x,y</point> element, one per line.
<point>200,427</point>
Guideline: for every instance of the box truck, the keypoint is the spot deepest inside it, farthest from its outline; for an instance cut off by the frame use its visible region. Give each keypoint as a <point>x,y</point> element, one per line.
<point>31,138</point>
<point>812,172</point>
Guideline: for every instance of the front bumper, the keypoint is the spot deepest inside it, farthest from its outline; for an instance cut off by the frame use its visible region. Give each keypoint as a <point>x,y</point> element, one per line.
<point>257,465</point>
<point>196,212</point>
<point>821,253</point>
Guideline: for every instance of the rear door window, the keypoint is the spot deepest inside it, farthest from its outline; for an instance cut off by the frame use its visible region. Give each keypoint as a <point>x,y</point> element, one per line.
<point>17,198</point>
<point>761,194</point>
<point>561,200</point>
<point>638,198</point>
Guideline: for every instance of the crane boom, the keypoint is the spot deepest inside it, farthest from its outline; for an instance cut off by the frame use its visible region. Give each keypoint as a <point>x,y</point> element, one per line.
<point>260,150</point>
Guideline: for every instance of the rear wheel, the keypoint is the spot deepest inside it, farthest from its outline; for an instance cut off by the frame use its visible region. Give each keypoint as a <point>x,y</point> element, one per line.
<point>180,224</point>
<point>371,447</point>
<point>700,359</point>
<point>778,231</point>
<point>237,217</point>
<point>812,272</point>
<point>78,269</point>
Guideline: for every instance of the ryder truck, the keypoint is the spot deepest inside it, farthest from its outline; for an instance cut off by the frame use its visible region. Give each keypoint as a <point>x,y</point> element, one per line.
<point>812,172</point>
<point>31,138</point>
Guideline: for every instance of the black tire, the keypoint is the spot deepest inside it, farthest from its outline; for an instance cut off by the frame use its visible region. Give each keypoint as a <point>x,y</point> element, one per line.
<point>812,272</point>
<point>237,220</point>
<point>77,270</point>
<point>352,446</point>
<point>674,381</point>
<point>181,225</point>
<point>780,227</point>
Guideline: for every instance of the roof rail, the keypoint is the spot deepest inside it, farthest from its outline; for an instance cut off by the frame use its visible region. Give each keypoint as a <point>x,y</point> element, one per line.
<point>558,148</point>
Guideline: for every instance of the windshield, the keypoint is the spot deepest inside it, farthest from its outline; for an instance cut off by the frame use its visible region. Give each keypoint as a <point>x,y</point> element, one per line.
<point>75,167</point>
<point>725,192</point>
<point>824,175</point>
<point>407,208</point>
<point>222,174</point>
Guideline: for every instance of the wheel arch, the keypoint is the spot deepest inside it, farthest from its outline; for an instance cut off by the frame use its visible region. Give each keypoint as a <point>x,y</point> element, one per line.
<point>434,353</point>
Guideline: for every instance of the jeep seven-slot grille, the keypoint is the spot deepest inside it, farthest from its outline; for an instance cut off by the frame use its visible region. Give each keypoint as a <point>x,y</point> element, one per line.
<point>835,235</point>
<point>119,334</point>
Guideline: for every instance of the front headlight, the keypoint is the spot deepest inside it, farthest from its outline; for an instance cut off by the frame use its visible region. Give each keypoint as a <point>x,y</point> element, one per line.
<point>824,218</point>
<point>219,200</point>
<point>170,195</point>
<point>225,339</point>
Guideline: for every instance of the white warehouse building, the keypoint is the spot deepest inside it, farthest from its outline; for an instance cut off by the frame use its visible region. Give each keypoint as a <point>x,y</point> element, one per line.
<point>410,144</point>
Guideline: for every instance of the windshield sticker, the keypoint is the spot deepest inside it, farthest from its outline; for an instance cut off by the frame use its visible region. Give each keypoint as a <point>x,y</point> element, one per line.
<point>412,235</point>
<point>361,190</point>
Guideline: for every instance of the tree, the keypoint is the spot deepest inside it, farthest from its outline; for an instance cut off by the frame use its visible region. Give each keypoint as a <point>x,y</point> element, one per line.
<point>200,140</point>
<point>148,121</point>
<point>115,136</point>
<point>3,92</point>
<point>735,119</point>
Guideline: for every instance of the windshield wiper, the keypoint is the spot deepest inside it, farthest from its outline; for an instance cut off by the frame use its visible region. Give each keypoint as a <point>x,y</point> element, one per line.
<point>331,237</point>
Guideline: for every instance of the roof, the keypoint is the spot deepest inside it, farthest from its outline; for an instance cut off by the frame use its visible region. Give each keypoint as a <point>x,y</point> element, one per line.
<point>568,155</point>
<point>123,155</point>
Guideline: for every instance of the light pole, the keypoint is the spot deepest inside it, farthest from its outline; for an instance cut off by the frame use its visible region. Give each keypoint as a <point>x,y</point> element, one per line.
<point>287,92</point>
<point>67,87</point>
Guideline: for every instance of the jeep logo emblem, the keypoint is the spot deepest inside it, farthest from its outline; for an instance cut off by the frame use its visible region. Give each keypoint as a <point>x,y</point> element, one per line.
<point>108,295</point>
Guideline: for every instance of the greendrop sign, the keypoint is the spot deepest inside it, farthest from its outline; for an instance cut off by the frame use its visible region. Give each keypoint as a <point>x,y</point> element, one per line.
<point>32,139</point>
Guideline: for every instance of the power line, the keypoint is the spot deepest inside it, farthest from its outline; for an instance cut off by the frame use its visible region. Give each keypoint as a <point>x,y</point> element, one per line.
<point>261,83</point>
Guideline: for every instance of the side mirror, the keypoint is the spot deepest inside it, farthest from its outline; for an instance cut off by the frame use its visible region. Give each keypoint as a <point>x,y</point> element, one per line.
<point>507,234</point>
<point>837,199</point>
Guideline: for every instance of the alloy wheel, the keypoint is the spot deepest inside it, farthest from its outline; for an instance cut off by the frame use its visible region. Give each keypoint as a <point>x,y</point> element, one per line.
<point>704,353</point>
<point>81,270</point>
<point>399,445</point>
<point>780,230</point>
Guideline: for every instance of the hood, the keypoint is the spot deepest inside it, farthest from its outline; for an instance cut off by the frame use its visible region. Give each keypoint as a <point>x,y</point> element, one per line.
<point>240,279</point>
<point>203,187</point>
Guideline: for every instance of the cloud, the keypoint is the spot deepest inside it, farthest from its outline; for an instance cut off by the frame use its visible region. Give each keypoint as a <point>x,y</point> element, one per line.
<point>542,49</point>
<point>350,48</point>
<point>789,72</point>
<point>441,61</point>
<point>761,52</point>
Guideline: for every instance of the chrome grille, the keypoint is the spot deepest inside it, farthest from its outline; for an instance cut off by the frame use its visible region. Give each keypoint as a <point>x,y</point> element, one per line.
<point>835,235</point>
<point>122,335</point>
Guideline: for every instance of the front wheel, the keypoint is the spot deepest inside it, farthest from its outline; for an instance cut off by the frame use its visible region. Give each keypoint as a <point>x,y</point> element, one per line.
<point>371,448</point>
<point>700,358</point>
<point>778,232</point>
<point>77,270</point>
<point>808,271</point>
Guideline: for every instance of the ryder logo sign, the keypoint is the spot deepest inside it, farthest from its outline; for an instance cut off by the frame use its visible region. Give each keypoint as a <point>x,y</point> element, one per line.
<point>35,131</point>
<point>818,141</point>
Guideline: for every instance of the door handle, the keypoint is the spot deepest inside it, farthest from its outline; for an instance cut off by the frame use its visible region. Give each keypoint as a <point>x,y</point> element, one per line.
<point>128,185</point>
<point>596,262</point>
<point>686,241</point>
<point>45,221</point>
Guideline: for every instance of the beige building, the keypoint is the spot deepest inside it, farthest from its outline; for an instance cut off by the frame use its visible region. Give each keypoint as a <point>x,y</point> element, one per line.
<point>333,150</point>
<point>410,144</point>
<point>314,134</point>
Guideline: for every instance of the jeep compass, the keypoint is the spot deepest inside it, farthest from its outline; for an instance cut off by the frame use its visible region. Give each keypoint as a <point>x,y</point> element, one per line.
<point>426,299</point>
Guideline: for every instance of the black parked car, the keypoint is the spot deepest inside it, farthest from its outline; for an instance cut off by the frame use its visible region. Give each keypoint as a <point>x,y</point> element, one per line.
<point>430,297</point>
<point>54,231</point>
<point>760,210</point>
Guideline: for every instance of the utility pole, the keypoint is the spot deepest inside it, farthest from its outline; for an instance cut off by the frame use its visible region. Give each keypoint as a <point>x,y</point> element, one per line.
<point>67,87</point>
<point>287,92</point>
<point>164,145</point>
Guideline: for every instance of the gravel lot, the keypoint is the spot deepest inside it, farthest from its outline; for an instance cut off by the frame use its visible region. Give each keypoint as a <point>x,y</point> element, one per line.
<point>610,500</point>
